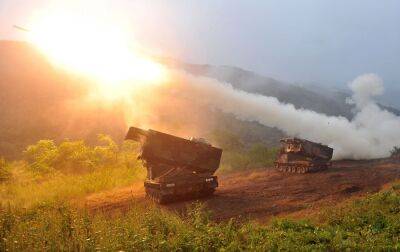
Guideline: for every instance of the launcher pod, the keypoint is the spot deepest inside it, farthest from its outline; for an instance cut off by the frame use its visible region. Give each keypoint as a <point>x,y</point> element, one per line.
<point>177,168</point>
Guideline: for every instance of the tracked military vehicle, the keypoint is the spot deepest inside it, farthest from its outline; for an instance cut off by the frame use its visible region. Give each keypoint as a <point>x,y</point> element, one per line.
<point>177,168</point>
<point>302,156</point>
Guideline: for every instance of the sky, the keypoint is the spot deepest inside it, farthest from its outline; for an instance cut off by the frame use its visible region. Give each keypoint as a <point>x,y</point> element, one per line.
<point>326,42</point>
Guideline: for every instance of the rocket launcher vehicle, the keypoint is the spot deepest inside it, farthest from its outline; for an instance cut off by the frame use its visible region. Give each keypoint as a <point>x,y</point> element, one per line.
<point>177,168</point>
<point>303,156</point>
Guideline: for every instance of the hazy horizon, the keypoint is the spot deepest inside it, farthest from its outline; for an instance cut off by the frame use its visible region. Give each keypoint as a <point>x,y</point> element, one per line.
<point>327,43</point>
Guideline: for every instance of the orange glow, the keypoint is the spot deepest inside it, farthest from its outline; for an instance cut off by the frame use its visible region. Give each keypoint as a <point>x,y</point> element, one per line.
<point>97,48</point>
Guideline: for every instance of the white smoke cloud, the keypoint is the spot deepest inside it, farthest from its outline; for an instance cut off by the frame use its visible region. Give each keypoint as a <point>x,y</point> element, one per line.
<point>371,134</point>
<point>364,88</point>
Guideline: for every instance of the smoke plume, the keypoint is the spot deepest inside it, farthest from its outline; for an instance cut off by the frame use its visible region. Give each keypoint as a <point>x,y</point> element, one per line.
<point>372,133</point>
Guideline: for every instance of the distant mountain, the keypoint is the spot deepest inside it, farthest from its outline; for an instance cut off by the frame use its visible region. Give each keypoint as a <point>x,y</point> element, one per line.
<point>38,101</point>
<point>300,97</point>
<point>324,100</point>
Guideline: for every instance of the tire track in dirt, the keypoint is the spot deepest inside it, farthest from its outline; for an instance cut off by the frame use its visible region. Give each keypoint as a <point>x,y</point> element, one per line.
<point>263,193</point>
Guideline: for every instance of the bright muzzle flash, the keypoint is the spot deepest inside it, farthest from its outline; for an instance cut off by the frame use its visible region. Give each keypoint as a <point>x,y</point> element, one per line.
<point>98,49</point>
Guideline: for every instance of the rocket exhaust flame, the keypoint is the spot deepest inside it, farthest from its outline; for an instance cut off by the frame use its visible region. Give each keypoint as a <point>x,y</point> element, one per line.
<point>104,55</point>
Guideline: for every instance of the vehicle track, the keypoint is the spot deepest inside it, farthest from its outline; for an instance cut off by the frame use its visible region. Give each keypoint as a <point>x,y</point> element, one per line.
<point>263,193</point>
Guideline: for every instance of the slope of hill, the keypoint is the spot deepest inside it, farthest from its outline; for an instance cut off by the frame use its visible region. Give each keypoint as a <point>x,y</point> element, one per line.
<point>251,82</point>
<point>329,101</point>
<point>38,101</point>
<point>262,194</point>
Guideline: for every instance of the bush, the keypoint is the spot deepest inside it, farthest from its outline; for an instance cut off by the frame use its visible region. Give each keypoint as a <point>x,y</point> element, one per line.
<point>76,156</point>
<point>238,156</point>
<point>128,153</point>
<point>227,140</point>
<point>41,156</point>
<point>69,170</point>
<point>5,173</point>
<point>107,153</point>
<point>261,156</point>
<point>395,152</point>
<point>34,216</point>
<point>256,156</point>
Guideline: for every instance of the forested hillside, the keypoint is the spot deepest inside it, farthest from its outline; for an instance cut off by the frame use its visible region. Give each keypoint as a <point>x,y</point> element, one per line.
<point>39,101</point>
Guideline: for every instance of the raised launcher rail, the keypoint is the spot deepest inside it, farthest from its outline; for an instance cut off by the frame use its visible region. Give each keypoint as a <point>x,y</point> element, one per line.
<point>177,168</point>
<point>302,156</point>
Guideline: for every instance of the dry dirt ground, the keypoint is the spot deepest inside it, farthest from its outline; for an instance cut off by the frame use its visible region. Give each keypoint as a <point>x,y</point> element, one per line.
<point>263,193</point>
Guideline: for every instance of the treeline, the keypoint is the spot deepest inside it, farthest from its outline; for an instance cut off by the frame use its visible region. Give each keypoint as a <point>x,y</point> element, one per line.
<point>76,156</point>
<point>45,157</point>
<point>49,171</point>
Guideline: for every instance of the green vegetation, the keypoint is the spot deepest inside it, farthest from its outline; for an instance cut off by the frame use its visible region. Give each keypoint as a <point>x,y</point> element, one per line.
<point>238,156</point>
<point>36,212</point>
<point>395,152</point>
<point>53,173</point>
<point>372,223</point>
<point>5,173</point>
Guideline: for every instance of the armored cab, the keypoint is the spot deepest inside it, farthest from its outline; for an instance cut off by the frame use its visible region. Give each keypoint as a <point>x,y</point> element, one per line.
<point>177,168</point>
<point>302,156</point>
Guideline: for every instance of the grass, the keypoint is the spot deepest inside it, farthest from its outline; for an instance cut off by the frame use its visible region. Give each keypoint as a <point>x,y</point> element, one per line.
<point>256,156</point>
<point>372,223</point>
<point>36,213</point>
<point>52,173</point>
<point>64,187</point>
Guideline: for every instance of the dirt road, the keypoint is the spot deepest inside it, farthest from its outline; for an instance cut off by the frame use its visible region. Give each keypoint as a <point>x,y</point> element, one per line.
<point>262,193</point>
